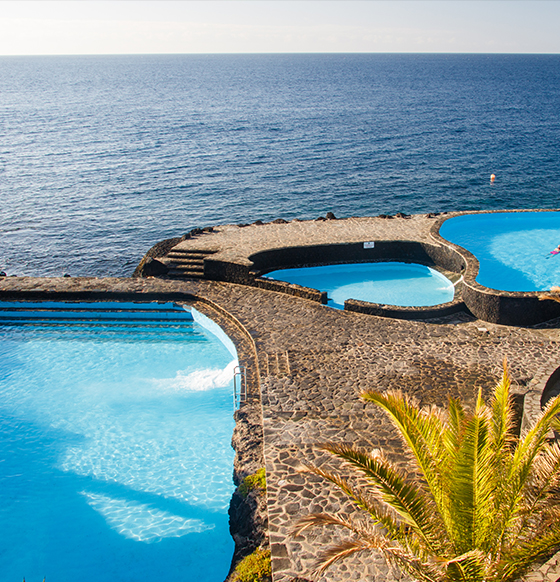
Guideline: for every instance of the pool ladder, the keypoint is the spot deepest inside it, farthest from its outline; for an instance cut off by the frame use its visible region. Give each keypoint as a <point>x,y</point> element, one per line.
<point>239,386</point>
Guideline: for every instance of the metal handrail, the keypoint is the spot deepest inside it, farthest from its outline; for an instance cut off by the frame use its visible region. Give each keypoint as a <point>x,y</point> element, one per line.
<point>239,386</point>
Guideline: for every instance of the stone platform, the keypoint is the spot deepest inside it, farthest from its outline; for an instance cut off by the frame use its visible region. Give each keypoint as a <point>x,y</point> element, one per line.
<point>243,253</point>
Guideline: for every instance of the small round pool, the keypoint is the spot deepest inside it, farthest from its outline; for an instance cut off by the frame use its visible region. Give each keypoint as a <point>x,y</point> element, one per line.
<point>391,283</point>
<point>513,248</point>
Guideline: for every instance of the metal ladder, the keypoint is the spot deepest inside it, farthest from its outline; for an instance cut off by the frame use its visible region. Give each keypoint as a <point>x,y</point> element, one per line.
<point>239,386</point>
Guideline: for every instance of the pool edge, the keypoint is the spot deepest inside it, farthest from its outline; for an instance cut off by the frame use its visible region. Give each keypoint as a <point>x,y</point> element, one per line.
<point>492,305</point>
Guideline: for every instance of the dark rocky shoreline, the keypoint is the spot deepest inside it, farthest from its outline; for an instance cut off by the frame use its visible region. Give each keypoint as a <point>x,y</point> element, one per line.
<point>248,516</point>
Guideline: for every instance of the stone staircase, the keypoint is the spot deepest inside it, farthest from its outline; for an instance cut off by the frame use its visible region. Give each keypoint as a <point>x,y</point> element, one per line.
<point>186,264</point>
<point>275,364</point>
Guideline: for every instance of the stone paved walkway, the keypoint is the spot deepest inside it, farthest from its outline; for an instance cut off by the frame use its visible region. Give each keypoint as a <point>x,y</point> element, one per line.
<point>313,362</point>
<point>234,244</point>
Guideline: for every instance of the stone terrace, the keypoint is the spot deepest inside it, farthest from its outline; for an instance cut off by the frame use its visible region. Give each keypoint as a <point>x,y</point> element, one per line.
<point>312,363</point>
<point>234,244</point>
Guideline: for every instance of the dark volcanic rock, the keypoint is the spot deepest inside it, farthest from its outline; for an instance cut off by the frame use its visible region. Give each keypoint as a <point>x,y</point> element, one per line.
<point>160,249</point>
<point>153,268</point>
<point>248,516</point>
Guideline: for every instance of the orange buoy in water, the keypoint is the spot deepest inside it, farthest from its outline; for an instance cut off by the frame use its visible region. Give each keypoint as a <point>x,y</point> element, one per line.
<point>492,177</point>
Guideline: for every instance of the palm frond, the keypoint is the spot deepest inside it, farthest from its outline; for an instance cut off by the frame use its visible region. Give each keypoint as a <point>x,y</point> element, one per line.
<point>421,570</point>
<point>454,432</point>
<point>534,440</point>
<point>472,484</point>
<point>423,433</point>
<point>407,498</point>
<point>468,567</point>
<point>545,479</point>
<point>525,553</point>
<point>384,514</point>
<point>324,519</point>
<point>366,537</point>
<point>502,414</point>
<point>523,460</point>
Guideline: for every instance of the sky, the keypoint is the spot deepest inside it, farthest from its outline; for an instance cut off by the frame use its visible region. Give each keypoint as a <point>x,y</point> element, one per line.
<point>46,27</point>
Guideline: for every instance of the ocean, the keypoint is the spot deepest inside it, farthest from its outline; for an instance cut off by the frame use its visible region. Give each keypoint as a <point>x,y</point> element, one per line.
<point>103,156</point>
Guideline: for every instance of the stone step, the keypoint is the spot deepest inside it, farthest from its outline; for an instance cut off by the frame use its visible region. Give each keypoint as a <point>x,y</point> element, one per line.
<point>186,256</point>
<point>187,267</point>
<point>189,253</point>
<point>186,264</point>
<point>185,274</point>
<point>275,364</point>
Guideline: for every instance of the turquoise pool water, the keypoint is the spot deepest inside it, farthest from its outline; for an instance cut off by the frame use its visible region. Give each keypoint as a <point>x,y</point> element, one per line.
<point>390,283</point>
<point>116,463</point>
<point>513,248</point>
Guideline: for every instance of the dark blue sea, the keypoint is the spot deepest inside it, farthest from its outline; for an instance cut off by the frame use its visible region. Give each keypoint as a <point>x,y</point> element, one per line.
<point>103,156</point>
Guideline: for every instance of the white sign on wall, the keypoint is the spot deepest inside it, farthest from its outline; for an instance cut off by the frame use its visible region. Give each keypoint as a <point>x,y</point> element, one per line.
<point>369,245</point>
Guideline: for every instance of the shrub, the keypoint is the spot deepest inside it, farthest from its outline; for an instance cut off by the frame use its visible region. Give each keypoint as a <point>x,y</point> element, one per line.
<point>254,481</point>
<point>255,567</point>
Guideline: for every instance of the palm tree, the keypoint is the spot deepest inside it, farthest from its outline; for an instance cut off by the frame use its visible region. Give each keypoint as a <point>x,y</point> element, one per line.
<point>483,508</point>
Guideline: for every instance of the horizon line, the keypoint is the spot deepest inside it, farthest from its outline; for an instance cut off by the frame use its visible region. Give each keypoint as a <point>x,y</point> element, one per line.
<point>277,53</point>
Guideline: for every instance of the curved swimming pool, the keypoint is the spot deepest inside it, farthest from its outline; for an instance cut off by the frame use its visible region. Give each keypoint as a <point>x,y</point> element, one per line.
<point>115,441</point>
<point>513,248</point>
<point>388,283</point>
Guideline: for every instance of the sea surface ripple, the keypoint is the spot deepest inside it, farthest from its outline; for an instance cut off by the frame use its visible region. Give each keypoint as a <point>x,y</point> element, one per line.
<point>103,156</point>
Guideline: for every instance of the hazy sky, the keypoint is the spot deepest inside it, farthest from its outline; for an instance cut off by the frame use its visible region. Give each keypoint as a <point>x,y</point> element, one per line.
<point>259,26</point>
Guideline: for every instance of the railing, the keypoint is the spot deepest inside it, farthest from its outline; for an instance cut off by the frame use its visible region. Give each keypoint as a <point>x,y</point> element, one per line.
<point>239,386</point>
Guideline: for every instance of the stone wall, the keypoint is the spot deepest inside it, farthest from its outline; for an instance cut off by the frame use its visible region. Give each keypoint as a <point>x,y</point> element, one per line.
<point>307,256</point>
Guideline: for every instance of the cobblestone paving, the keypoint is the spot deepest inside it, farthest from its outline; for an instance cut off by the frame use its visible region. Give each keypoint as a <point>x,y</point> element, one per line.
<point>313,363</point>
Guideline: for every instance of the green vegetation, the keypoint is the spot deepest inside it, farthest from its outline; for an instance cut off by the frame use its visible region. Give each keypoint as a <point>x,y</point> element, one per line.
<point>254,481</point>
<point>255,567</point>
<point>486,504</point>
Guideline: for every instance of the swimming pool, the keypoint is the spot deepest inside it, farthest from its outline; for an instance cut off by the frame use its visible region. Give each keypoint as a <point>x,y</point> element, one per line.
<point>116,422</point>
<point>388,283</point>
<point>513,248</point>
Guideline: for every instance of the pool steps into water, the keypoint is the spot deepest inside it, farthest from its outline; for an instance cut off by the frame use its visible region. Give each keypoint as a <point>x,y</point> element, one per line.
<point>106,314</point>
